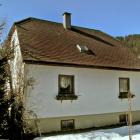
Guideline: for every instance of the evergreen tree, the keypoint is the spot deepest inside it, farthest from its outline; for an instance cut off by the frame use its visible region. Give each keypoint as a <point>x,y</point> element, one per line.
<point>4,99</point>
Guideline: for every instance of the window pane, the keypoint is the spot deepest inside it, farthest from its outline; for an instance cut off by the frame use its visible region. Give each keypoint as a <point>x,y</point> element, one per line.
<point>123,118</point>
<point>124,85</point>
<point>64,125</point>
<point>65,81</point>
<point>70,124</point>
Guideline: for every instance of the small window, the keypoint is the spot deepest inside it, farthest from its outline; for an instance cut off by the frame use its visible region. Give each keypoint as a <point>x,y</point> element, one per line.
<point>66,84</point>
<point>123,118</point>
<point>67,124</point>
<point>124,85</point>
<point>84,49</point>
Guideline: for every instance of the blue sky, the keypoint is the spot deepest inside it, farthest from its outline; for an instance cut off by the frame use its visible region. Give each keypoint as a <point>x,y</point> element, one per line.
<point>115,17</point>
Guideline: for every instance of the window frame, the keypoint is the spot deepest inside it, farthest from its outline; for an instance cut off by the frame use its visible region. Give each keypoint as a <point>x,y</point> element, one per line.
<point>67,129</point>
<point>124,94</point>
<point>59,85</point>
<point>66,96</point>
<point>125,121</point>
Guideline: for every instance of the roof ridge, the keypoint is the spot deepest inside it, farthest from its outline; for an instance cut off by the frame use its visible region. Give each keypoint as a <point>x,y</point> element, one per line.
<point>35,19</point>
<point>98,30</point>
<point>74,26</point>
<point>92,36</point>
<point>23,20</point>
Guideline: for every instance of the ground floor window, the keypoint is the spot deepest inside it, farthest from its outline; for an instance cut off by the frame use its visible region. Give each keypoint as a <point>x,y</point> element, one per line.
<point>67,124</point>
<point>123,118</point>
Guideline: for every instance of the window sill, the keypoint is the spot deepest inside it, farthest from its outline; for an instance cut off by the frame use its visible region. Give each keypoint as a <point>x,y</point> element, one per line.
<point>125,96</point>
<point>66,97</point>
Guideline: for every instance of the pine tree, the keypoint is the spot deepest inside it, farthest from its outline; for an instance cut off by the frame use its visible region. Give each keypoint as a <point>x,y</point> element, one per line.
<point>4,100</point>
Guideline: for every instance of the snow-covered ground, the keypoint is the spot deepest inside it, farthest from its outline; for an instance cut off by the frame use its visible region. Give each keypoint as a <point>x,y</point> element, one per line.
<point>105,134</point>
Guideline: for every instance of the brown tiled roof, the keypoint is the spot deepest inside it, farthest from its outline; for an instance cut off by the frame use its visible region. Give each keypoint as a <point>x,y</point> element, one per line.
<point>45,41</point>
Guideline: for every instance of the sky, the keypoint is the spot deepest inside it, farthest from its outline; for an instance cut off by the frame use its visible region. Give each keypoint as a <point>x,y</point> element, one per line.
<point>115,17</point>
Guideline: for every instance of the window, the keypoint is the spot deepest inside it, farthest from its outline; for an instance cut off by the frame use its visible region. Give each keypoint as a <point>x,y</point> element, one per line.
<point>66,84</point>
<point>84,49</point>
<point>124,87</point>
<point>66,87</point>
<point>123,118</point>
<point>67,124</point>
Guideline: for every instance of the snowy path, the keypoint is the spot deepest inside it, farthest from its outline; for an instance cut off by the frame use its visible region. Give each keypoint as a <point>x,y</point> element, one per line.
<point>107,134</point>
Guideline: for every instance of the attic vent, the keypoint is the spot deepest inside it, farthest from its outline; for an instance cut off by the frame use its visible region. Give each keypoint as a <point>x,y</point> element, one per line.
<point>84,49</point>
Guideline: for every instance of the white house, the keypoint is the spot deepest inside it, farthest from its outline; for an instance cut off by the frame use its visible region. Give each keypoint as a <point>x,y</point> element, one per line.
<point>75,77</point>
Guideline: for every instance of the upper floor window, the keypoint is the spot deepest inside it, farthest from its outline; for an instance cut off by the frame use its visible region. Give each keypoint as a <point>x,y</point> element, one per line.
<point>124,87</point>
<point>66,87</point>
<point>66,84</point>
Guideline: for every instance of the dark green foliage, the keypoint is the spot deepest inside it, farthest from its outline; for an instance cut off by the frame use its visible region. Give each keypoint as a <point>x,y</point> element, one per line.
<point>16,125</point>
<point>11,121</point>
<point>4,102</point>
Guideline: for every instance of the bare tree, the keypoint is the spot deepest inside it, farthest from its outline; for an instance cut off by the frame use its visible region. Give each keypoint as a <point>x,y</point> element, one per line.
<point>130,95</point>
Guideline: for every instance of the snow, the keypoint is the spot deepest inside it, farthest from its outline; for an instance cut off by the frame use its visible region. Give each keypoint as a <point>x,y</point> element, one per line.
<point>120,133</point>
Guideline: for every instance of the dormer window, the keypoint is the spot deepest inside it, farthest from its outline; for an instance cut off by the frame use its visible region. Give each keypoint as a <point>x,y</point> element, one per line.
<point>84,49</point>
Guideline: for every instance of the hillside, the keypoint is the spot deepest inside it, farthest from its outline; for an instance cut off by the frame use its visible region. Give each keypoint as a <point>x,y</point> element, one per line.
<point>132,42</point>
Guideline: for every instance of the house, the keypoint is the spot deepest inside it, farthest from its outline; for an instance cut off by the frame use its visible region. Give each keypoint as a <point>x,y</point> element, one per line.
<point>75,77</point>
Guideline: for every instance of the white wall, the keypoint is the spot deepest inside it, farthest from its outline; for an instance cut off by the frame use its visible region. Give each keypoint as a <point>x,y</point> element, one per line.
<point>97,91</point>
<point>16,62</point>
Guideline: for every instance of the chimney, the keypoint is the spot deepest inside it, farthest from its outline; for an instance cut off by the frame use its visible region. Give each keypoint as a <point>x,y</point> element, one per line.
<point>67,20</point>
